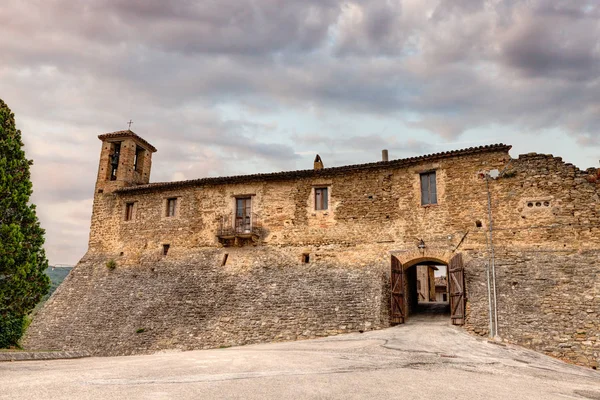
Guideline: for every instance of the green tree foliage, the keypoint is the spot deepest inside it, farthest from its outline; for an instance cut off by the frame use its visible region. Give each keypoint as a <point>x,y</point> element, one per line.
<point>22,259</point>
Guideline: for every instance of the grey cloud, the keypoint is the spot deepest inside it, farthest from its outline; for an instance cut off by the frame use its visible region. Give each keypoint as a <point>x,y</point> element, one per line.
<point>553,40</point>
<point>448,9</point>
<point>218,27</point>
<point>436,68</point>
<point>361,148</point>
<point>371,27</point>
<point>72,70</point>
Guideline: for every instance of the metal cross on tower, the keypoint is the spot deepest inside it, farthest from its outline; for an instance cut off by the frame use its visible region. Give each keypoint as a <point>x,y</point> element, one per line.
<point>129,123</point>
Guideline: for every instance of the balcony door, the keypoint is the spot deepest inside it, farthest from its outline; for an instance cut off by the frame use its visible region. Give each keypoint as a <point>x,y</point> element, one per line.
<point>243,215</point>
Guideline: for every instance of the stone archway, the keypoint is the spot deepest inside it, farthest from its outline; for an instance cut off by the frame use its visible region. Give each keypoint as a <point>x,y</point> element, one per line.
<point>404,298</point>
<point>414,257</point>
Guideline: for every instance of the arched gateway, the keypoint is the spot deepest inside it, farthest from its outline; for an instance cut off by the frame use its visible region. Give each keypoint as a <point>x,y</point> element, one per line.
<point>401,293</point>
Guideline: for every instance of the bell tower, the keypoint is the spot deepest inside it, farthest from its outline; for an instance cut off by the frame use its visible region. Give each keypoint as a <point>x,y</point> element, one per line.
<point>125,160</point>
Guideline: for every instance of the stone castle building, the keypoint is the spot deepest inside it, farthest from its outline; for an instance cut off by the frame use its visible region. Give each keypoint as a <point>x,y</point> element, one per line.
<point>301,254</point>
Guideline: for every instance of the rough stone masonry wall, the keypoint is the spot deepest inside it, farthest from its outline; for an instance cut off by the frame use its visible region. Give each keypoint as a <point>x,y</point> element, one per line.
<point>550,301</point>
<point>191,301</point>
<point>546,265</point>
<point>548,259</point>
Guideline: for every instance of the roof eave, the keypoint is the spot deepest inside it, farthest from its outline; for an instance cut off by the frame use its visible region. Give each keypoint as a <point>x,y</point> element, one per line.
<point>127,134</point>
<point>311,172</point>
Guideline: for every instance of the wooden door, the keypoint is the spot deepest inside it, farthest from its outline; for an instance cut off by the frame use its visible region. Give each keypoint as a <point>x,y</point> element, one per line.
<point>456,287</point>
<point>243,214</point>
<point>397,296</point>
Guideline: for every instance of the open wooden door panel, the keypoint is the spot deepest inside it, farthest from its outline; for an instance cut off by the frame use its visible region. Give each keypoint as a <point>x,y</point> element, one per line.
<point>397,297</point>
<point>456,287</point>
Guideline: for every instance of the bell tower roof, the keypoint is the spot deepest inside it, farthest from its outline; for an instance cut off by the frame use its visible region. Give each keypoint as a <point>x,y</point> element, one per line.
<point>127,134</point>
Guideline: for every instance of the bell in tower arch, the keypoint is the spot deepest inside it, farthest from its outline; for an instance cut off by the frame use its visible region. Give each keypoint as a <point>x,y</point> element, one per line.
<point>114,161</point>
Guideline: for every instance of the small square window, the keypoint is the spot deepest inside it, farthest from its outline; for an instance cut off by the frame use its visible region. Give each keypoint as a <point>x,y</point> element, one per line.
<point>129,211</point>
<point>171,206</point>
<point>321,199</point>
<point>428,188</point>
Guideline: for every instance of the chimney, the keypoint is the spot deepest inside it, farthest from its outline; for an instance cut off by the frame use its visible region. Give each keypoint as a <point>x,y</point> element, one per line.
<point>318,162</point>
<point>384,155</point>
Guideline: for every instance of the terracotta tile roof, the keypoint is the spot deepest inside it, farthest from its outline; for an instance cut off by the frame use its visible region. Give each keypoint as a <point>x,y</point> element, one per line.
<point>125,134</point>
<point>273,176</point>
<point>441,281</point>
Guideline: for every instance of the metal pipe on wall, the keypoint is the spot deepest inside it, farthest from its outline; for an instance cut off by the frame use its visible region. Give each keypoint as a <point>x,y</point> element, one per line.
<point>489,283</point>
<point>493,258</point>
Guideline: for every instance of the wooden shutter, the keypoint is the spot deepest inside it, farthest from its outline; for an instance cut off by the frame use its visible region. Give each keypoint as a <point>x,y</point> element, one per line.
<point>456,287</point>
<point>424,189</point>
<point>398,311</point>
<point>428,188</point>
<point>432,188</point>
<point>321,199</point>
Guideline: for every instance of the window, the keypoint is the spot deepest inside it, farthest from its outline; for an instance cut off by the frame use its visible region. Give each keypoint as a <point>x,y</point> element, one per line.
<point>114,161</point>
<point>428,188</point>
<point>138,162</point>
<point>166,248</point>
<point>243,214</point>
<point>129,211</point>
<point>321,198</point>
<point>305,258</point>
<point>171,206</point>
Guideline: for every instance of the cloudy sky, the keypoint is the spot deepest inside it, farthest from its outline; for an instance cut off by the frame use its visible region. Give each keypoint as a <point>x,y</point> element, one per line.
<point>237,86</point>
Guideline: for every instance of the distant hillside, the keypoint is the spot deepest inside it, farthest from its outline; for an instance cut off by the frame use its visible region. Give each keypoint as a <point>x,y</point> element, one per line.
<point>57,275</point>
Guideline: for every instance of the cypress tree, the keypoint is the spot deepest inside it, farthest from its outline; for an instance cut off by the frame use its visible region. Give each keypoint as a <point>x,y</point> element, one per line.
<point>22,258</point>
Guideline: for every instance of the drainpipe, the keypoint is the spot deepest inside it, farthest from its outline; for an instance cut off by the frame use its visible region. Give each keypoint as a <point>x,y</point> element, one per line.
<point>489,290</point>
<point>493,259</point>
<point>489,285</point>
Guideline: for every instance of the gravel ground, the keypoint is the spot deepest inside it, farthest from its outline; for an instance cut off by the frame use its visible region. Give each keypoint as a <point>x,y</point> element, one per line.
<point>424,359</point>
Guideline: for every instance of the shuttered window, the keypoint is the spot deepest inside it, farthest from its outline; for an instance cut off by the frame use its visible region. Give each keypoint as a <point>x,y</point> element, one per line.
<point>321,198</point>
<point>171,206</point>
<point>129,211</point>
<point>428,188</point>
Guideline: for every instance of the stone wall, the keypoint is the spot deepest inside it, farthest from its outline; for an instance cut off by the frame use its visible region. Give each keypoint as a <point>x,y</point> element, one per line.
<point>547,236</point>
<point>191,301</point>
<point>550,301</point>
<point>546,232</point>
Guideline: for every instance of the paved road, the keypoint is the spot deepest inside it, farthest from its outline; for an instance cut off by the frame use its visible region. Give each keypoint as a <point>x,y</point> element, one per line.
<point>425,359</point>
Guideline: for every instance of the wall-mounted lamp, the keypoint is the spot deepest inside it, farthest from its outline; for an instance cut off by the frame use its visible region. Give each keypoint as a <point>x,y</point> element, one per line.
<point>421,244</point>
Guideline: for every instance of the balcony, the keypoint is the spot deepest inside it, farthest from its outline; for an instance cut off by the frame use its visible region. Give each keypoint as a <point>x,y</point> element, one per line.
<point>236,230</point>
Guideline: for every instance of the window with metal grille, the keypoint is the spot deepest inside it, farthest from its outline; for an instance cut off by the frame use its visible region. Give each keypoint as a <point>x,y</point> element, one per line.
<point>129,211</point>
<point>171,206</point>
<point>321,199</point>
<point>428,188</point>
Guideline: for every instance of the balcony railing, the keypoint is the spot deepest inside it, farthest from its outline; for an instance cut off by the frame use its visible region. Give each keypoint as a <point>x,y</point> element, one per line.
<point>231,227</point>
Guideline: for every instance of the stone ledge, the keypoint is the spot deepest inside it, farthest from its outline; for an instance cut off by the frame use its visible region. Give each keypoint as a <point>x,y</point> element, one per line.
<point>46,355</point>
